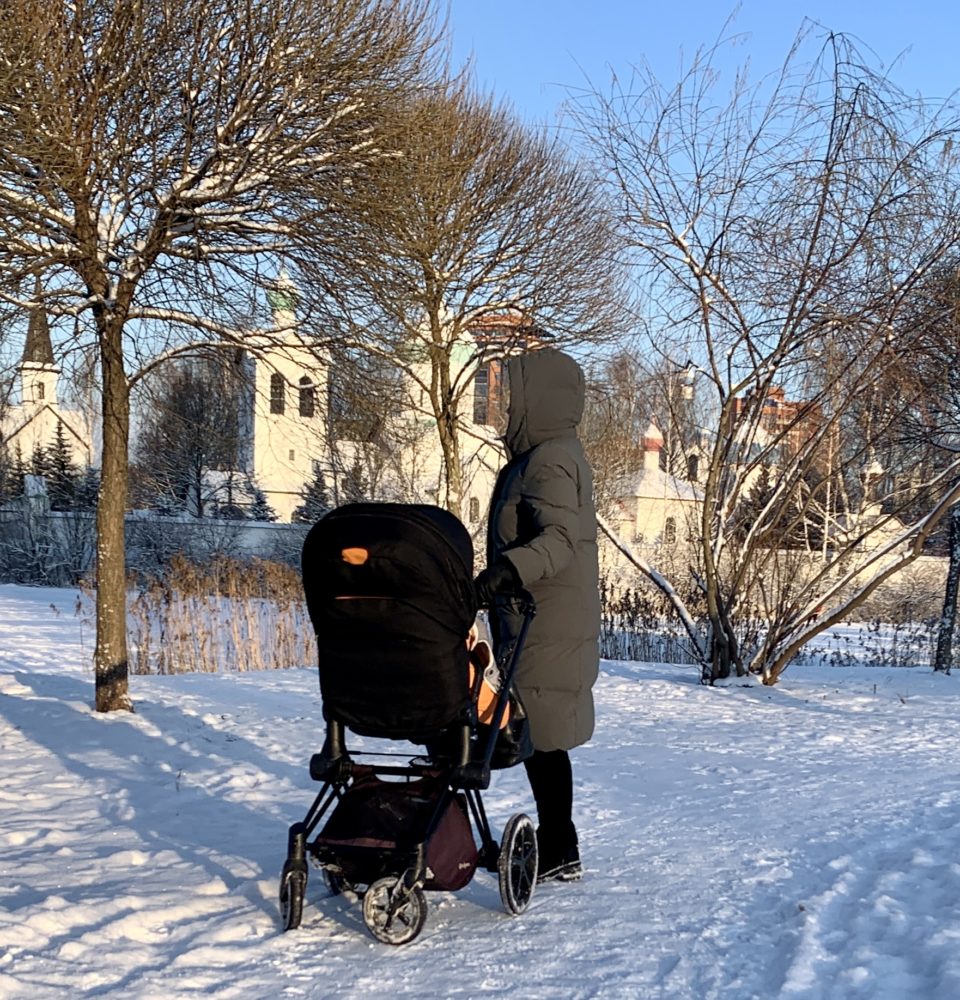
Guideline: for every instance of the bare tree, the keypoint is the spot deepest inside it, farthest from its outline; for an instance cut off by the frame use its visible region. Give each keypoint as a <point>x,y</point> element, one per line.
<point>627,392</point>
<point>779,232</point>
<point>365,424</point>
<point>190,419</point>
<point>928,439</point>
<point>156,161</point>
<point>478,218</point>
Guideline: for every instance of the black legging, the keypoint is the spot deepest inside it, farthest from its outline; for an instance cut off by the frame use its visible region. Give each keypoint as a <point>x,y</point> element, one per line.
<point>551,780</point>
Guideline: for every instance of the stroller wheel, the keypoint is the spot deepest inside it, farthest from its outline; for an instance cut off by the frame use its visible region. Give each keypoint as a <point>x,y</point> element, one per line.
<point>293,886</point>
<point>393,915</point>
<point>517,865</point>
<point>336,883</point>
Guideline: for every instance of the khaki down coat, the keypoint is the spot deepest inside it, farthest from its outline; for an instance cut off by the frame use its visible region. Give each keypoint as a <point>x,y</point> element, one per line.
<point>543,520</point>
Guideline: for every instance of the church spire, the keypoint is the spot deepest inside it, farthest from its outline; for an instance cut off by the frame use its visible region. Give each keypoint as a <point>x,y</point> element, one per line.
<point>38,349</point>
<point>38,370</point>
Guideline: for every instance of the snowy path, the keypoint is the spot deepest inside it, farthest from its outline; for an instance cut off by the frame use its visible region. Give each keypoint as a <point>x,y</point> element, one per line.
<point>800,842</point>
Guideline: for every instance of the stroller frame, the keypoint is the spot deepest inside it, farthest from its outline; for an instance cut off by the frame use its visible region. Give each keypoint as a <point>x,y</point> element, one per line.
<point>394,907</point>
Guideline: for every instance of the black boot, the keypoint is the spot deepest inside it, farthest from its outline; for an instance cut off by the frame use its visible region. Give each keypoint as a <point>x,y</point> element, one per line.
<point>559,854</point>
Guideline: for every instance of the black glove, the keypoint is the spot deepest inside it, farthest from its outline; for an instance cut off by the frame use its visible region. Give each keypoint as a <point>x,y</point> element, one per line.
<point>500,578</point>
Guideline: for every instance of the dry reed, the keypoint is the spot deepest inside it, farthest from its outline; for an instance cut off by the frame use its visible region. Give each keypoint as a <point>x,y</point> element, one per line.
<point>224,615</point>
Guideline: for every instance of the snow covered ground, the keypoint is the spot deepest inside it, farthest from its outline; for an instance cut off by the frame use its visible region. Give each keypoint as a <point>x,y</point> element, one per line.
<point>795,842</point>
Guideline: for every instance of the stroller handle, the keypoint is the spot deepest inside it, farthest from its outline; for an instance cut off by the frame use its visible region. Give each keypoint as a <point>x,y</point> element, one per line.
<point>528,608</point>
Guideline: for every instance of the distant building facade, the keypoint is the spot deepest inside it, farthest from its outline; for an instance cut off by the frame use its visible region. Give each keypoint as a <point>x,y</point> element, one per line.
<point>496,335</point>
<point>785,425</point>
<point>653,507</point>
<point>295,424</point>
<point>284,407</point>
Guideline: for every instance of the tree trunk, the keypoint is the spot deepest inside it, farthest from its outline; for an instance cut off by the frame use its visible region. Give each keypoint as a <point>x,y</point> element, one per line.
<point>453,474</point>
<point>948,617</point>
<point>725,660</point>
<point>110,656</point>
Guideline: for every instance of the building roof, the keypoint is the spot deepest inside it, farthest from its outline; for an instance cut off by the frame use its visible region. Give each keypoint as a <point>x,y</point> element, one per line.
<point>18,424</point>
<point>654,484</point>
<point>282,294</point>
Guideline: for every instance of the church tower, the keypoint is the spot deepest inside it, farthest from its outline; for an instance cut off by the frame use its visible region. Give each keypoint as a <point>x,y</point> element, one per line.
<point>289,404</point>
<point>32,423</point>
<point>38,371</point>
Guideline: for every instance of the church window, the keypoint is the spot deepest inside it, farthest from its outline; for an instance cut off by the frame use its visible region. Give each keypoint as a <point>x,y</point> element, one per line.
<point>489,398</point>
<point>276,393</point>
<point>474,509</point>
<point>670,531</point>
<point>308,396</point>
<point>481,395</point>
<point>41,390</point>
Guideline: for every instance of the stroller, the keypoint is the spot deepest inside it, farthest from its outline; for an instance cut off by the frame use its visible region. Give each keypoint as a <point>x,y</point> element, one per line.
<point>389,592</point>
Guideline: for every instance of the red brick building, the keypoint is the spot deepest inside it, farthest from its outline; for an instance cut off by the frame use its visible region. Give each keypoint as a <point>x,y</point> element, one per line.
<point>496,336</point>
<point>786,424</point>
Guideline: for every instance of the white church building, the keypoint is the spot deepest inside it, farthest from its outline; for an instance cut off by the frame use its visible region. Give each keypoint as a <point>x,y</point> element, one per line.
<point>287,430</point>
<point>30,417</point>
<point>283,420</point>
<point>652,507</point>
<point>289,435</point>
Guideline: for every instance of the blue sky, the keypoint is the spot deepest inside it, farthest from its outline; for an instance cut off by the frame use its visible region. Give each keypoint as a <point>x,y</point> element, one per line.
<point>527,50</point>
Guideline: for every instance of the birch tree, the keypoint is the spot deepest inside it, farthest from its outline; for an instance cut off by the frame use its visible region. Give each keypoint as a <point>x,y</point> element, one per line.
<point>157,159</point>
<point>480,217</point>
<point>618,409</point>
<point>779,232</point>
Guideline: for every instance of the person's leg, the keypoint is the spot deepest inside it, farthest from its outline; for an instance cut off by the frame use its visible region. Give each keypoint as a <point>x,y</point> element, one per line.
<point>551,781</point>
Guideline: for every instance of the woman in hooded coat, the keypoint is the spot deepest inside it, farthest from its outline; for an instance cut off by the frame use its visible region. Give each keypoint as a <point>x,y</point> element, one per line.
<point>542,536</point>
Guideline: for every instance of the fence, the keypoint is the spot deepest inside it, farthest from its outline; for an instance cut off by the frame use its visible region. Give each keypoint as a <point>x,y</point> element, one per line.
<point>57,548</point>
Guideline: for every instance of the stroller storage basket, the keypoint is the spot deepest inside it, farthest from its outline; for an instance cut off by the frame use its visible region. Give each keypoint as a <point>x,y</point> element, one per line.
<point>407,817</point>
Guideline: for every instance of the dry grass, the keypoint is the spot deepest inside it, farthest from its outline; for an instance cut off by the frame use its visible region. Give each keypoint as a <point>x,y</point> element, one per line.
<point>222,615</point>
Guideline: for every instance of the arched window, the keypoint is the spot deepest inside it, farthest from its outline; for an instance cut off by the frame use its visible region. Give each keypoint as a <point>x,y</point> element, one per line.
<point>670,531</point>
<point>308,396</point>
<point>276,393</point>
<point>474,509</point>
<point>481,395</point>
<point>693,467</point>
<point>41,390</point>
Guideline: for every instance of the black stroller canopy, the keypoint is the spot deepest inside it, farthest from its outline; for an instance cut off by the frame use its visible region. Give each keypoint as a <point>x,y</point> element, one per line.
<point>432,550</point>
<point>390,595</point>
